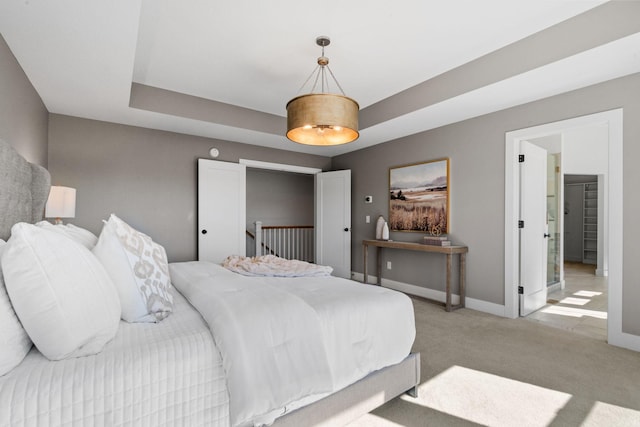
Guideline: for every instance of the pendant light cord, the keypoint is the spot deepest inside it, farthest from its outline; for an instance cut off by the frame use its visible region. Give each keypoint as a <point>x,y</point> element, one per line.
<point>324,81</point>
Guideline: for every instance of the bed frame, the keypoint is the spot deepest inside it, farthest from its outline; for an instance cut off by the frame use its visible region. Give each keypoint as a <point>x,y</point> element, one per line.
<point>24,189</point>
<point>359,398</point>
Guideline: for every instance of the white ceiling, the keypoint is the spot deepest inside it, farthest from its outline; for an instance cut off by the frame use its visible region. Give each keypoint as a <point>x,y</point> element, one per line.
<point>83,56</point>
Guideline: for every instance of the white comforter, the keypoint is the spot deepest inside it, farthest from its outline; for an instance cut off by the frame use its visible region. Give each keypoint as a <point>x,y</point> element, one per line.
<point>288,341</point>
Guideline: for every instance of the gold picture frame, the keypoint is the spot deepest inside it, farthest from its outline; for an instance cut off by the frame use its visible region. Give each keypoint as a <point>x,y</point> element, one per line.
<point>419,196</point>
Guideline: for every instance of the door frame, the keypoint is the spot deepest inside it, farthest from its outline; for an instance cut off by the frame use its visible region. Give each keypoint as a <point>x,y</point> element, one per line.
<point>613,119</point>
<point>257,164</point>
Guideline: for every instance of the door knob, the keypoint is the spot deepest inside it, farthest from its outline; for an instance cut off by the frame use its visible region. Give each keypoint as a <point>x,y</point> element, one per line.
<point>204,231</point>
<point>547,235</point>
<point>346,229</point>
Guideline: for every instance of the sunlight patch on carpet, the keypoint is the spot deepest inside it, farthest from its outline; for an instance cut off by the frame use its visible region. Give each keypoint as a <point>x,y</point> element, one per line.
<point>489,399</point>
<point>574,312</point>
<point>603,414</point>
<point>588,294</point>
<point>575,301</point>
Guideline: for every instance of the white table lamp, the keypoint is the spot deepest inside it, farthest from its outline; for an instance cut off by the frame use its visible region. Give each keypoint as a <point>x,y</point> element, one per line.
<point>61,203</point>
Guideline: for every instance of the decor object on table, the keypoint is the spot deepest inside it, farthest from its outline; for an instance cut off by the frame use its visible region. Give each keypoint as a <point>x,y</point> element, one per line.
<point>419,197</point>
<point>385,231</point>
<point>322,118</point>
<point>436,241</point>
<point>61,203</point>
<point>379,226</point>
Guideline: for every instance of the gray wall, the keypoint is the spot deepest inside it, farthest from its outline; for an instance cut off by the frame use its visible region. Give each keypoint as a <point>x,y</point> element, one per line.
<point>279,198</point>
<point>23,116</point>
<point>476,149</point>
<point>147,177</point>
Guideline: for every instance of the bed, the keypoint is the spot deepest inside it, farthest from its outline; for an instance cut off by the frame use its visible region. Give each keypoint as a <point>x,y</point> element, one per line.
<point>196,366</point>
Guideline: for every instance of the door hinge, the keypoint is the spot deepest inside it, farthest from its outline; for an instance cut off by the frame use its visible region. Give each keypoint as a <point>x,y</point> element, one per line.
<point>520,224</point>
<point>520,290</point>
<point>521,158</point>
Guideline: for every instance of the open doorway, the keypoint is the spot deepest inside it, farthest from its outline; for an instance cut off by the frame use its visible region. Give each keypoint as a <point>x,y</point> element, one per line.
<point>609,235</point>
<point>331,213</point>
<point>279,208</point>
<point>575,300</point>
<point>580,304</point>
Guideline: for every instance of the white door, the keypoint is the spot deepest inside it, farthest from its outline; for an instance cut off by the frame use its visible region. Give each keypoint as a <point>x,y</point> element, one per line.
<point>333,221</point>
<point>533,236</point>
<point>221,210</point>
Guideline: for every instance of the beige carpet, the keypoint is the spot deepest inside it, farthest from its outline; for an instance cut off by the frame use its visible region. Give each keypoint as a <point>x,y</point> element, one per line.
<point>479,369</point>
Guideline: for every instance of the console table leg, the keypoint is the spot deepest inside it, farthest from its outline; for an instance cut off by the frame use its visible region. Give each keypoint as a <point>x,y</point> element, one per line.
<point>365,251</point>
<point>463,275</point>
<point>448,288</point>
<point>379,266</point>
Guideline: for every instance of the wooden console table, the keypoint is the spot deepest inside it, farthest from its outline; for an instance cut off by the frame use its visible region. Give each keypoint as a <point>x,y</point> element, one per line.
<point>447,250</point>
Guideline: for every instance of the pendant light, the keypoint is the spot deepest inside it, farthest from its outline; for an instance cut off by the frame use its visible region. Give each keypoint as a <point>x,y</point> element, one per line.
<point>322,118</point>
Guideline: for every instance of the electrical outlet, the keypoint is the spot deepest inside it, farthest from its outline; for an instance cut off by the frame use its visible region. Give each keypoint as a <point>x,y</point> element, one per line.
<point>367,219</point>
<point>388,265</point>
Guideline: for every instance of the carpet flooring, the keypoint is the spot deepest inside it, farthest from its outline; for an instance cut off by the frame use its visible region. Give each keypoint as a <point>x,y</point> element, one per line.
<point>479,369</point>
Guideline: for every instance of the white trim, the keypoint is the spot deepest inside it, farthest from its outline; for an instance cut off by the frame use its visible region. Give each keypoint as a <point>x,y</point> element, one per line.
<point>614,324</point>
<point>614,120</point>
<point>257,164</point>
<point>601,272</point>
<point>624,340</point>
<point>485,306</point>
<point>474,304</point>
<point>408,288</point>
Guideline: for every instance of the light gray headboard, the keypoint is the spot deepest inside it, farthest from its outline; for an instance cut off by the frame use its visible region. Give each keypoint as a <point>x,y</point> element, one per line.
<point>24,189</point>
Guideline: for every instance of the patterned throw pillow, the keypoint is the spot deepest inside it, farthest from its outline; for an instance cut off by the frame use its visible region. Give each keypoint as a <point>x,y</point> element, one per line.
<point>139,269</point>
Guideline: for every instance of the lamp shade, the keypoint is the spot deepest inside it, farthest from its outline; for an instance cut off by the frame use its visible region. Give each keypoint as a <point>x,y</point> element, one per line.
<point>322,119</point>
<point>61,203</point>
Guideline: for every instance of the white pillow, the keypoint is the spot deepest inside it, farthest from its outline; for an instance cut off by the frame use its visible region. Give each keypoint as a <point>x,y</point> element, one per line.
<point>139,268</point>
<point>80,235</point>
<point>60,292</point>
<point>14,341</point>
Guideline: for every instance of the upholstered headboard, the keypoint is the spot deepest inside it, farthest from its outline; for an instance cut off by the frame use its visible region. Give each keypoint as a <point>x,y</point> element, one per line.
<point>24,189</point>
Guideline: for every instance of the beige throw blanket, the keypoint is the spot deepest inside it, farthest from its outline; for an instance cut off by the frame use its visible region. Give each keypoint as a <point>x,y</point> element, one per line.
<point>273,266</point>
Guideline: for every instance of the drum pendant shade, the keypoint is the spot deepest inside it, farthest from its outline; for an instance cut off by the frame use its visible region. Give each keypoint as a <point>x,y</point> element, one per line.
<point>322,119</point>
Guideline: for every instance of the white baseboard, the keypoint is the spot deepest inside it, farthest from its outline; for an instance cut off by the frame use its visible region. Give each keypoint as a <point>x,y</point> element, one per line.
<point>624,340</point>
<point>555,287</point>
<point>474,304</point>
<point>600,272</point>
<point>485,306</point>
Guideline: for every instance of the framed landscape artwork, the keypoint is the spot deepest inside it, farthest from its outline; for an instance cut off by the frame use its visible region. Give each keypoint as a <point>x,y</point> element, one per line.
<point>419,197</point>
